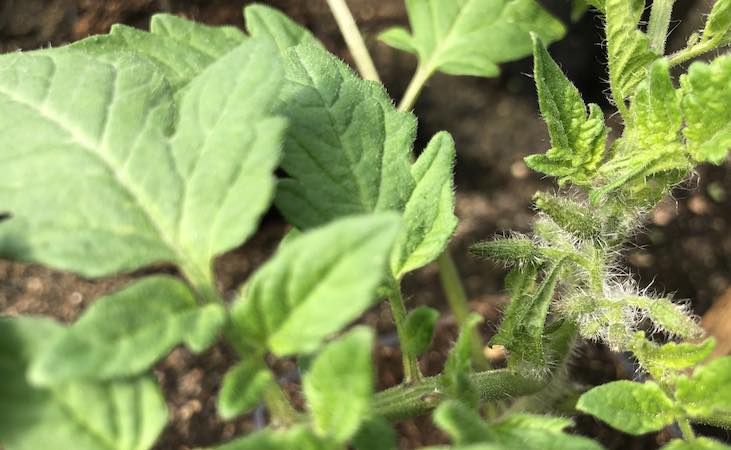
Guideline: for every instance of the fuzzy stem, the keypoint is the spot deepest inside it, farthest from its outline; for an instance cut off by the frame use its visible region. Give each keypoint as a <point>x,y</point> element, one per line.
<point>686,429</point>
<point>412,372</point>
<point>354,39</point>
<point>692,52</point>
<point>416,85</point>
<point>657,29</point>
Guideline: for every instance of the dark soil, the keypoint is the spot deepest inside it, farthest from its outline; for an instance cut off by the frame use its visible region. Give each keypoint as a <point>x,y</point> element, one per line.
<point>686,250</point>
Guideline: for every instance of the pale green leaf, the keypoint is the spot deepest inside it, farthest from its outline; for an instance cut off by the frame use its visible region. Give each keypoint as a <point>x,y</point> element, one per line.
<point>628,48</point>
<point>663,360</point>
<point>700,443</point>
<point>707,394</point>
<point>718,22</point>
<point>671,317</point>
<point>375,434</point>
<point>180,48</point>
<point>125,333</point>
<point>242,388</point>
<point>297,438</point>
<point>706,93</point>
<point>120,415</point>
<point>578,9</point>
<point>262,20</point>
<point>455,378</point>
<point>339,385</point>
<point>471,37</point>
<point>103,172</point>
<point>316,284</point>
<point>634,408</point>
<point>428,219</point>
<point>578,141</point>
<point>419,327</point>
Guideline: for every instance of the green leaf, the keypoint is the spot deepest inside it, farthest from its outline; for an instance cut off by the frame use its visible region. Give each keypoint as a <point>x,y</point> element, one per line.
<point>242,388</point>
<point>578,9</point>
<point>700,443</point>
<point>514,250</point>
<point>339,385</point>
<point>455,378</point>
<point>375,434</point>
<point>262,20</point>
<point>348,152</point>
<point>706,99</point>
<point>634,408</point>
<point>316,284</point>
<point>650,145</point>
<point>419,328</point>
<point>141,166</point>
<point>471,37</point>
<point>121,415</point>
<point>181,49</point>
<point>628,48</point>
<point>707,394</point>
<point>125,333</point>
<point>718,22</point>
<point>462,424</point>
<point>663,360</point>
<point>666,315</point>
<point>520,284</point>
<point>428,219</point>
<point>578,141</point>
<point>299,438</point>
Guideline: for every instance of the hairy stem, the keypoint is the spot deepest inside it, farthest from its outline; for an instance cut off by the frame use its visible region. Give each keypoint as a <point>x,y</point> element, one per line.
<point>691,52</point>
<point>416,85</point>
<point>686,429</point>
<point>354,39</point>
<point>657,29</point>
<point>412,372</point>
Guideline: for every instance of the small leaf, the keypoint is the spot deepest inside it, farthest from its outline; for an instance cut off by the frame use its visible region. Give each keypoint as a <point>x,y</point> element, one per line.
<point>663,360</point>
<point>125,333</point>
<point>262,20</point>
<point>462,424</point>
<point>181,49</point>
<point>578,140</point>
<point>299,438</point>
<point>667,316</point>
<point>707,394</point>
<point>242,388</point>
<point>339,386</point>
<point>706,99</point>
<point>634,408</point>
<point>699,443</point>
<point>573,216</point>
<point>428,219</point>
<point>718,21</point>
<point>419,328</point>
<point>514,250</point>
<point>316,284</point>
<point>455,378</point>
<point>119,415</point>
<point>375,434</point>
<point>534,432</point>
<point>471,37</point>
<point>520,284</point>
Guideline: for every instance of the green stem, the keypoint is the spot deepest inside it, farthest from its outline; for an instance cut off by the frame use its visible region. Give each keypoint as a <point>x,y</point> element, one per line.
<point>412,372</point>
<point>686,429</point>
<point>416,85</point>
<point>280,408</point>
<point>354,39</point>
<point>657,29</point>
<point>692,52</point>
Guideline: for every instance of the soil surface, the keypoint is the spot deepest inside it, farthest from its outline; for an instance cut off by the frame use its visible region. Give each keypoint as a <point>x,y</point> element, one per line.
<point>686,249</point>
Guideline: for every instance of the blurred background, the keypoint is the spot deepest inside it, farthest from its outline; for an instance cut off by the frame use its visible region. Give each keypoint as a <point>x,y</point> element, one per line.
<point>686,249</point>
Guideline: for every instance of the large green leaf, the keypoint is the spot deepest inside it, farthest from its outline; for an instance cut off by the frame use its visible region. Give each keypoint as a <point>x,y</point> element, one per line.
<point>339,385</point>
<point>706,93</point>
<point>262,20</point>
<point>180,48</point>
<point>316,284</point>
<point>707,394</point>
<point>348,152</point>
<point>125,333</point>
<point>103,172</point>
<point>121,415</point>
<point>634,408</point>
<point>578,141</point>
<point>471,37</point>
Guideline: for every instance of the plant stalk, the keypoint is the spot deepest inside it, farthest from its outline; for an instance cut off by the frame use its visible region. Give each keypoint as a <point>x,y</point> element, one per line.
<point>691,52</point>
<point>412,372</point>
<point>354,39</point>
<point>657,29</point>
<point>416,85</point>
<point>686,429</point>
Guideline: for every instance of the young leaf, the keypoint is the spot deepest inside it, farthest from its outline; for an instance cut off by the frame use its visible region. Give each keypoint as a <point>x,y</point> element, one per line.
<point>348,152</point>
<point>299,438</point>
<point>419,328</point>
<point>718,22</point>
<point>262,20</point>
<point>181,49</point>
<point>142,188</point>
<point>242,388</point>
<point>628,48</point>
<point>662,360</point>
<point>339,385</point>
<point>706,99</point>
<point>471,37</point>
<point>520,284</point>
<point>634,408</point>
<point>428,219</point>
<point>578,141</point>
<point>462,424</point>
<point>455,378</point>
<point>120,415</point>
<point>375,434</point>
<point>700,443</point>
<point>707,394</point>
<point>316,284</point>
<point>515,250</point>
<point>124,333</point>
